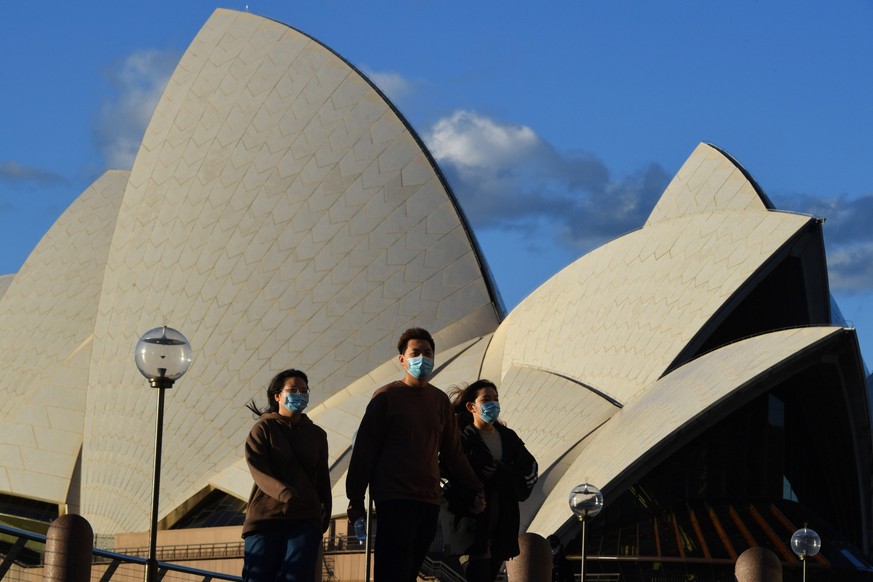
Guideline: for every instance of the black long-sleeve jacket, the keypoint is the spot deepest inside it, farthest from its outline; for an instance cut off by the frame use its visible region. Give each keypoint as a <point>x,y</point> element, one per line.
<point>496,528</point>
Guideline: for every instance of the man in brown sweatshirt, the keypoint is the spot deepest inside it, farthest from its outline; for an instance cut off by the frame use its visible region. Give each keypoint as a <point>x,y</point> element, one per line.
<point>407,428</point>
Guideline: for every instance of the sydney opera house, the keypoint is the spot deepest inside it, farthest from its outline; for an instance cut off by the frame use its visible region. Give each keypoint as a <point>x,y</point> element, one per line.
<point>281,212</point>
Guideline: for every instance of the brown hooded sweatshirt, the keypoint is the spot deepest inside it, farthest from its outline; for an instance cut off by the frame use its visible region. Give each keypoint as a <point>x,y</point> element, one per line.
<point>288,462</point>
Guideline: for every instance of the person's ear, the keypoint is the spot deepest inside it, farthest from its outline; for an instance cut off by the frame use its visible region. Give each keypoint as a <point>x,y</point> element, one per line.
<point>471,407</point>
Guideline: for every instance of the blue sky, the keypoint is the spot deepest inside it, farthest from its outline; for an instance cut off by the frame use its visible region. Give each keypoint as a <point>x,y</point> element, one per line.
<point>557,125</point>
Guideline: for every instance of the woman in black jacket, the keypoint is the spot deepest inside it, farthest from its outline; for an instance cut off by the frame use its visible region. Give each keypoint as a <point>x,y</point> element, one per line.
<point>508,470</point>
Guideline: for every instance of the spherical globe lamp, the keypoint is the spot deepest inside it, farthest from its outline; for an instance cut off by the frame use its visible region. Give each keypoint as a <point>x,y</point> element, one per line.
<point>586,501</point>
<point>806,543</point>
<point>162,355</point>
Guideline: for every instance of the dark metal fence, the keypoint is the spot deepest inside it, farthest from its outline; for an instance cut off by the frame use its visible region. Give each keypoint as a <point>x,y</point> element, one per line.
<point>22,553</point>
<point>21,560</point>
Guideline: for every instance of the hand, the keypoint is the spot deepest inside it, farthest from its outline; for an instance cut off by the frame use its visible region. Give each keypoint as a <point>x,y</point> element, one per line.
<point>479,504</point>
<point>532,478</point>
<point>354,512</point>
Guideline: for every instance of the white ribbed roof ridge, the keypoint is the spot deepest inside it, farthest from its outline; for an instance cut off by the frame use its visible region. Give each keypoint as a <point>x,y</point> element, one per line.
<point>708,181</point>
<point>48,313</point>
<point>280,213</point>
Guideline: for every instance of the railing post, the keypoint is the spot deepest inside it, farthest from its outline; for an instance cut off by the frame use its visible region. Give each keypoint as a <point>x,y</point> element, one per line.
<point>758,565</point>
<point>11,555</point>
<point>68,549</point>
<point>534,563</point>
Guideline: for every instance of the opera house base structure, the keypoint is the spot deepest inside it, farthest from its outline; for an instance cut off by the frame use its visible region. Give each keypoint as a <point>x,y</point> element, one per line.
<point>281,212</point>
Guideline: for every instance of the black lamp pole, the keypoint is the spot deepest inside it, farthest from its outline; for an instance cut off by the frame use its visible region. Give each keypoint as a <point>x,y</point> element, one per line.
<point>161,383</point>
<point>586,501</point>
<point>162,355</point>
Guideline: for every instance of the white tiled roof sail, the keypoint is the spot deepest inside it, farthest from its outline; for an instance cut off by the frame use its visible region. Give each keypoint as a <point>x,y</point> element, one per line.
<point>707,182</point>
<point>48,314</point>
<point>670,404</point>
<point>620,314</point>
<point>280,214</point>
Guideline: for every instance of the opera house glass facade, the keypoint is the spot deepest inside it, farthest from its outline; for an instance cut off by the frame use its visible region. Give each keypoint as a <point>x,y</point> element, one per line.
<point>279,206</point>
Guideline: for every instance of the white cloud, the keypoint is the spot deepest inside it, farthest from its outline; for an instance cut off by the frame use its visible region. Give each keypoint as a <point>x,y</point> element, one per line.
<point>14,173</point>
<point>137,82</point>
<point>850,268</point>
<point>506,176</point>
<point>847,233</point>
<point>468,140</point>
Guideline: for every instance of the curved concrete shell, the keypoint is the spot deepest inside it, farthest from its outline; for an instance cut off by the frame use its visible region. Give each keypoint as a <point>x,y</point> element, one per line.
<point>709,386</point>
<point>708,181</point>
<point>48,314</point>
<point>621,314</point>
<point>279,213</point>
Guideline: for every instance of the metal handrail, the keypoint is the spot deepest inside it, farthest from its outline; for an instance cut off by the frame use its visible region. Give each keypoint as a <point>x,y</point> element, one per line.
<point>440,570</point>
<point>100,556</point>
<point>115,559</point>
<point>190,551</point>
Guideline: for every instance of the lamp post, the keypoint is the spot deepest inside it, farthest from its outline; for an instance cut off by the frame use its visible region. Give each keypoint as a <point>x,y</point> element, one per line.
<point>162,355</point>
<point>586,501</point>
<point>806,543</point>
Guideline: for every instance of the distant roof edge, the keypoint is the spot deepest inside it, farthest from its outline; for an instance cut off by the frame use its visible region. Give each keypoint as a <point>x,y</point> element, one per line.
<point>763,195</point>
<point>710,180</point>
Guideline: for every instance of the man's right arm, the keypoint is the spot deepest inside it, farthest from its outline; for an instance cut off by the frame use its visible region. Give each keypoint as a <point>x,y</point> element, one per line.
<point>365,453</point>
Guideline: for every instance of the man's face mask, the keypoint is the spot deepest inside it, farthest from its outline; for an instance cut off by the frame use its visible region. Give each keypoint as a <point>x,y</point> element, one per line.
<point>419,366</point>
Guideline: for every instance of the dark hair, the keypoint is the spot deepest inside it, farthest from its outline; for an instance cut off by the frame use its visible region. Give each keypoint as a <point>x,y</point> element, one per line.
<point>461,396</point>
<point>414,333</point>
<point>276,385</point>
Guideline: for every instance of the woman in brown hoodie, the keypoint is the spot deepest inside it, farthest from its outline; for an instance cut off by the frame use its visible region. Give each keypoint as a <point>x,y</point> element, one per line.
<point>290,504</point>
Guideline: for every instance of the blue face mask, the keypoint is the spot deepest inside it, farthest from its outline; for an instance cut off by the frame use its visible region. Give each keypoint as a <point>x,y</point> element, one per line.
<point>419,367</point>
<point>490,411</point>
<point>296,402</point>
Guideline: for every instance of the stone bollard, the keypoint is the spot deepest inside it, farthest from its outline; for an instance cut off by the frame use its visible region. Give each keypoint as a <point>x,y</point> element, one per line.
<point>68,549</point>
<point>758,565</point>
<point>534,563</point>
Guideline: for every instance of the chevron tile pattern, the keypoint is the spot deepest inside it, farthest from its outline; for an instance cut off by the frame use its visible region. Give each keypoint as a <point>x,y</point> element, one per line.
<point>48,312</point>
<point>706,182</point>
<point>622,313</point>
